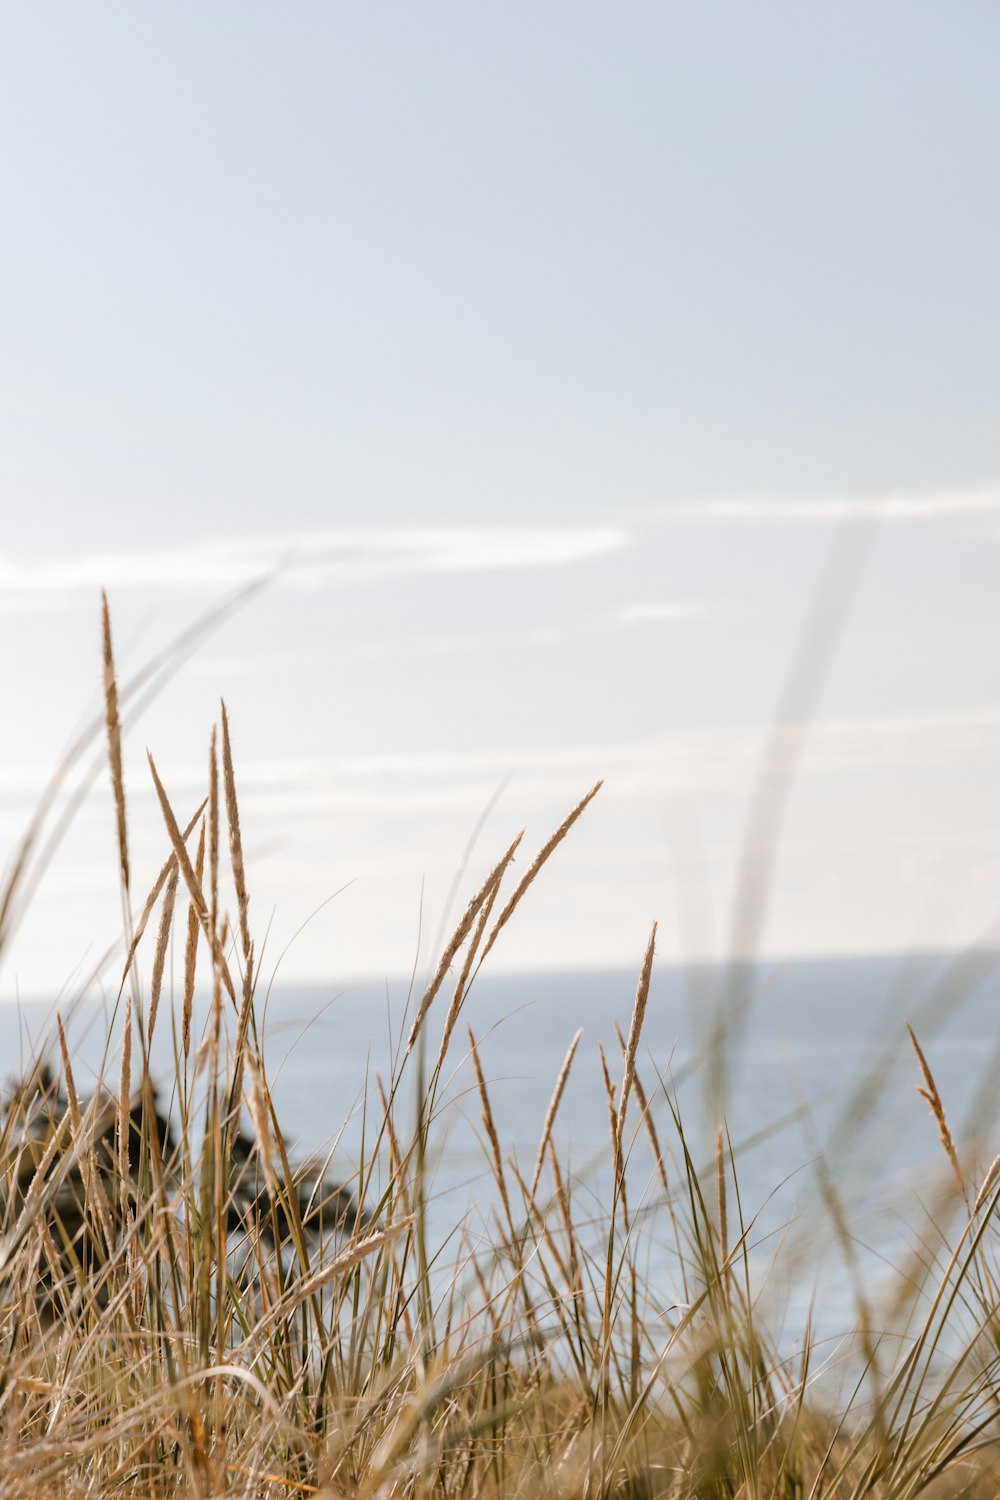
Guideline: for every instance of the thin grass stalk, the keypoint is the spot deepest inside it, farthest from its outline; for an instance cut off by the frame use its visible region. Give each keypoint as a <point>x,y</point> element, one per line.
<point>32,857</point>
<point>722,1212</point>
<point>581,1309</point>
<point>550,1114</point>
<point>235,837</point>
<point>168,866</point>
<point>243,1027</point>
<point>160,955</point>
<point>930,1093</point>
<point>257,1105</point>
<point>490,1127</point>
<point>113,725</point>
<point>42,1188</point>
<point>648,1123</point>
<point>84,1144</point>
<point>461,988</point>
<point>603,1394</point>
<point>213,843</point>
<point>635,1029</point>
<point>191,950</point>
<point>310,1286</point>
<point>616,1139</point>
<point>123,1123</point>
<point>194,888</point>
<point>989,1182</point>
<point>538,1219</point>
<point>455,942</point>
<point>937,1317</point>
<point>536,865</point>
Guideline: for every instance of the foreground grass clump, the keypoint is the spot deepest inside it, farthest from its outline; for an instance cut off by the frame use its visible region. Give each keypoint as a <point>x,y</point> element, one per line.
<point>187,1311</point>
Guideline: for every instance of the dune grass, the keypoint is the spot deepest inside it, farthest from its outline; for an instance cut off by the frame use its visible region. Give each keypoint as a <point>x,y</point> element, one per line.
<point>185,1310</point>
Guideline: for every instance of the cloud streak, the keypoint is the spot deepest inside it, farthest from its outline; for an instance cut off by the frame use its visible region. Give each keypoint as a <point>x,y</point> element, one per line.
<point>650,611</point>
<point>307,558</point>
<point>671,760</point>
<point>310,557</point>
<point>886,509</point>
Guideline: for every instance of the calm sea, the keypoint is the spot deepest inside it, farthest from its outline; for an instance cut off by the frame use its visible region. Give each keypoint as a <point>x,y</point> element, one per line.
<point>813,1071</point>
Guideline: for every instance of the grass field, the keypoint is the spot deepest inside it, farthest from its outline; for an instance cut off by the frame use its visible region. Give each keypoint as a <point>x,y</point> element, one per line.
<point>187,1311</point>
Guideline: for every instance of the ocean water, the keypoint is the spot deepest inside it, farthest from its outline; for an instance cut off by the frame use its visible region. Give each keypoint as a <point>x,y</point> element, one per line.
<point>806,1065</point>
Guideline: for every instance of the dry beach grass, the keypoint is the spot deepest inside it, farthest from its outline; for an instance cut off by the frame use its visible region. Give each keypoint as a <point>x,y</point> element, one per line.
<point>185,1310</point>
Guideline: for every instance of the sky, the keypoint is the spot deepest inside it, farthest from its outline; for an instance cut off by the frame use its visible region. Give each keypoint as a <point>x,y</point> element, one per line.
<point>616,388</point>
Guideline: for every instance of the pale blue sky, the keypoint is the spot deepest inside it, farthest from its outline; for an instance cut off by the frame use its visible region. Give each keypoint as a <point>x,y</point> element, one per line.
<point>552,340</point>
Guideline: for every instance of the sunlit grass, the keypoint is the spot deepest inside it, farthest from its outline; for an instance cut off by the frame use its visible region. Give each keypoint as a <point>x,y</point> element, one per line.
<point>188,1310</point>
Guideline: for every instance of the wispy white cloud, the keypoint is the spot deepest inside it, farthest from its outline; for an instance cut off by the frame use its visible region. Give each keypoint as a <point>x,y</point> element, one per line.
<point>890,509</point>
<point>649,610</point>
<point>713,765</point>
<point>699,757</point>
<point>307,557</point>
